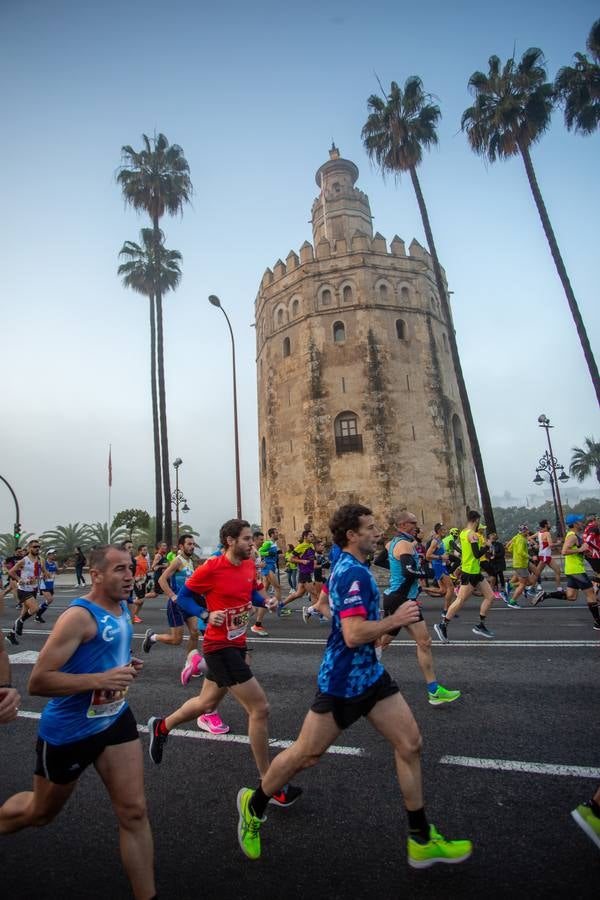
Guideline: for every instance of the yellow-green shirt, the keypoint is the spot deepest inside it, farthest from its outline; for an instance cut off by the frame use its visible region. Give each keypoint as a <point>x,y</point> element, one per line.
<point>520,553</point>
<point>574,564</point>
<point>469,562</point>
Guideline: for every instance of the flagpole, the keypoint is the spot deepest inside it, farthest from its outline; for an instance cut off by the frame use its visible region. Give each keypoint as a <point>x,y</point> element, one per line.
<point>109,486</point>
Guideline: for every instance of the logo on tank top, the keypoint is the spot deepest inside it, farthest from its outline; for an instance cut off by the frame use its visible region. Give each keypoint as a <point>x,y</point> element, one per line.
<point>108,632</point>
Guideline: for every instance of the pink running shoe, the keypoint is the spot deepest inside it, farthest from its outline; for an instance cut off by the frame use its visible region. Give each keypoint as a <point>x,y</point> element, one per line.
<point>194,667</point>
<point>213,723</point>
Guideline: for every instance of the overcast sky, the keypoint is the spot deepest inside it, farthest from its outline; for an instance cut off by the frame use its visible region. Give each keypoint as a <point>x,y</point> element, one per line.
<point>254,93</point>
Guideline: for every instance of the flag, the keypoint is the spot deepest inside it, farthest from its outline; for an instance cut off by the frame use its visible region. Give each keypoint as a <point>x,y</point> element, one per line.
<point>110,466</point>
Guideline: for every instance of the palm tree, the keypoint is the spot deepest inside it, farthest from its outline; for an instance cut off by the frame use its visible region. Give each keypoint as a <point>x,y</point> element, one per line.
<point>578,87</point>
<point>66,538</point>
<point>512,109</point>
<point>156,180</point>
<point>397,130</point>
<point>98,534</point>
<point>150,266</point>
<point>8,544</point>
<point>584,462</point>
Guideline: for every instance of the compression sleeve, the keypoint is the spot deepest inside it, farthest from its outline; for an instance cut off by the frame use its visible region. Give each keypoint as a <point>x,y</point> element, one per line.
<point>477,550</point>
<point>382,560</point>
<point>257,599</point>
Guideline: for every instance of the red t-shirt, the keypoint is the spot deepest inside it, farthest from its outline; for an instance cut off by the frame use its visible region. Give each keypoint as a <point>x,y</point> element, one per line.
<point>228,588</point>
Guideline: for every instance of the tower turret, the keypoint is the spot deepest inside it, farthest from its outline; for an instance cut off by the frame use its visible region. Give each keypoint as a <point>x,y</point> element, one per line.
<point>341,209</point>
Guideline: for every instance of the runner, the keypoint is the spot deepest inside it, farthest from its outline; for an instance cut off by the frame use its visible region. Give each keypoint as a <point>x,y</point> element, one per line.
<point>574,548</point>
<point>140,581</point>
<point>28,572</point>
<point>438,557</point>
<point>545,545</point>
<point>291,568</point>
<point>269,552</point>
<point>496,555</point>
<point>304,557</point>
<point>258,540</point>
<point>353,683</point>
<point>86,667</point>
<point>452,547</point>
<point>229,584</point>
<point>591,536</point>
<point>519,547</point>
<point>470,579</point>
<point>49,573</point>
<point>13,583</point>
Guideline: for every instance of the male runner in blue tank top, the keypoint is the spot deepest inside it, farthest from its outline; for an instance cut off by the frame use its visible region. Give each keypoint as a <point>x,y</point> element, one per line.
<point>352,684</point>
<point>87,668</point>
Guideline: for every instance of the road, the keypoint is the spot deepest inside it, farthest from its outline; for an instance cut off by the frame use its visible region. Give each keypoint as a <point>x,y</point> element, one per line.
<point>528,714</point>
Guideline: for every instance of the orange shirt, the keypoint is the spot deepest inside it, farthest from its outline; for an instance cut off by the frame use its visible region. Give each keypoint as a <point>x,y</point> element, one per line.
<point>141,567</point>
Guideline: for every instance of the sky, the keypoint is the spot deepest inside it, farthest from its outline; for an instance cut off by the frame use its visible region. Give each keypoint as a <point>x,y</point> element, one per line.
<point>254,94</point>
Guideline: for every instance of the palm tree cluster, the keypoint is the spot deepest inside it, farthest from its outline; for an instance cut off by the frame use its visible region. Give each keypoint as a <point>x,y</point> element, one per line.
<point>155,180</point>
<point>512,108</point>
<point>586,461</point>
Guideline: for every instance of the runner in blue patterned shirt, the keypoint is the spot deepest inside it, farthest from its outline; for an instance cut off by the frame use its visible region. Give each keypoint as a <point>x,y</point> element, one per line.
<point>352,684</point>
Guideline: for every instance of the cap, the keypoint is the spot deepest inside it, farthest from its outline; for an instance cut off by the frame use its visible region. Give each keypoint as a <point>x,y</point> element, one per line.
<point>572,518</point>
<point>51,550</point>
<point>454,531</point>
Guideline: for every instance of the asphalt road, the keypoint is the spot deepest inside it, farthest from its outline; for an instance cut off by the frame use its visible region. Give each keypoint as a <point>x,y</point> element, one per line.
<point>530,697</point>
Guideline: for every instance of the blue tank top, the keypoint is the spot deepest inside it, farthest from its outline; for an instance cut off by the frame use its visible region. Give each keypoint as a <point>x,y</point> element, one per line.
<point>397,574</point>
<point>439,550</point>
<point>73,718</point>
<point>51,569</point>
<point>179,578</point>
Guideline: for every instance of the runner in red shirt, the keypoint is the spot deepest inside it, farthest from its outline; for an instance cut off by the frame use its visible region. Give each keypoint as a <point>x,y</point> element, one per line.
<point>230,588</point>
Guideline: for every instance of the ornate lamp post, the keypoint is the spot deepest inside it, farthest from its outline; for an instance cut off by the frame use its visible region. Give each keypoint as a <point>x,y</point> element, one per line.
<point>216,302</point>
<point>17,526</point>
<point>547,471</point>
<point>177,497</point>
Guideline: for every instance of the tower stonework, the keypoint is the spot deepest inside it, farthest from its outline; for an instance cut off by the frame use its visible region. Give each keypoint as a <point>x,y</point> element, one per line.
<point>357,393</point>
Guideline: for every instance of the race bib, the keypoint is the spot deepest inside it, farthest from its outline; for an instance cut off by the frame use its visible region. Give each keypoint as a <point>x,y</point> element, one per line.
<point>236,621</point>
<point>105,703</point>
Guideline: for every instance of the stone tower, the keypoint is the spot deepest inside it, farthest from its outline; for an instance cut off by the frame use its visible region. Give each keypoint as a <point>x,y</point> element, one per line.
<point>357,393</point>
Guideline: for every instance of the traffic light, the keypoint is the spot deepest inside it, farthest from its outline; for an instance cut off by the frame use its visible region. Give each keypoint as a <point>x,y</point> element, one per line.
<point>17,532</point>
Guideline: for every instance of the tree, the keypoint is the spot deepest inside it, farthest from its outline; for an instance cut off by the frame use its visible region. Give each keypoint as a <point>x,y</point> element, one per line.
<point>66,538</point>
<point>156,180</point>
<point>512,109</point>
<point>7,542</point>
<point>131,520</point>
<point>146,267</point>
<point>98,534</point>
<point>585,462</point>
<point>397,130</point>
<point>578,87</point>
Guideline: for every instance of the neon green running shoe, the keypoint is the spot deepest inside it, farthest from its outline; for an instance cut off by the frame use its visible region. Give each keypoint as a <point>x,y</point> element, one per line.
<point>437,849</point>
<point>248,825</point>
<point>588,822</point>
<point>441,695</point>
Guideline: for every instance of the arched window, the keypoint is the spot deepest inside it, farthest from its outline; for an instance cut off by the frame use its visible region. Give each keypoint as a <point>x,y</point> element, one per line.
<point>433,303</point>
<point>295,308</point>
<point>286,347</point>
<point>347,294</point>
<point>383,292</point>
<point>326,297</point>
<point>336,187</point>
<point>280,317</point>
<point>459,441</point>
<point>404,295</point>
<point>401,329</point>
<point>263,456</point>
<point>347,437</point>
<point>339,332</point>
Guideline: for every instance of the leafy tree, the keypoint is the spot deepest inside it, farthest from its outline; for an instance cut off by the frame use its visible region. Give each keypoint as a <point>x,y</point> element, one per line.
<point>400,126</point>
<point>156,180</point>
<point>512,109</point>
<point>508,519</point>
<point>66,538</point>
<point>7,542</point>
<point>586,461</point>
<point>145,267</point>
<point>98,534</point>
<point>131,520</point>
<point>147,535</point>
<point>578,87</point>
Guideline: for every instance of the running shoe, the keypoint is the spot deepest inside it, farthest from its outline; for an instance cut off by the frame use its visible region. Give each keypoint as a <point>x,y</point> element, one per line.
<point>306,614</point>
<point>260,630</point>
<point>12,638</point>
<point>437,849</point>
<point>148,642</point>
<point>441,629</point>
<point>192,666</point>
<point>287,796</point>
<point>539,598</point>
<point>212,723</point>
<point>283,610</point>
<point>483,631</point>
<point>513,604</point>
<point>248,825</point>
<point>157,740</point>
<point>323,620</point>
<point>38,618</point>
<point>18,629</point>
<point>441,695</point>
<point>596,626</point>
<point>136,620</point>
<point>588,822</point>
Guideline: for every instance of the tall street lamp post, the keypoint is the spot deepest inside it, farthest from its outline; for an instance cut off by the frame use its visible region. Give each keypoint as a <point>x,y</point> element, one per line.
<point>216,302</point>
<point>177,497</point>
<point>547,471</point>
<point>17,527</point>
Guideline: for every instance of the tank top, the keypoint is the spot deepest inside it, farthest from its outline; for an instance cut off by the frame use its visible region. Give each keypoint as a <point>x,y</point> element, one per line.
<point>574,564</point>
<point>180,577</point>
<point>51,569</point>
<point>544,544</point>
<point>469,562</point>
<point>30,575</point>
<point>397,574</point>
<point>440,550</point>
<point>73,718</point>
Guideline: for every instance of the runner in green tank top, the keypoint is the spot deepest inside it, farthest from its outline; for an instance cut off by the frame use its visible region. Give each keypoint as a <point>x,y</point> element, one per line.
<point>471,578</point>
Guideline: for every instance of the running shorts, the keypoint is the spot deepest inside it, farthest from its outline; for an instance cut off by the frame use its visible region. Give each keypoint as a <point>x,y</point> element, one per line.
<point>348,710</point>
<point>579,582</point>
<point>49,588</point>
<point>595,564</point>
<point>26,595</point>
<point>439,569</point>
<point>175,615</point>
<point>466,578</point>
<point>139,587</point>
<point>305,578</point>
<point>64,763</point>
<point>318,576</point>
<point>392,601</point>
<point>228,666</point>
<point>522,573</point>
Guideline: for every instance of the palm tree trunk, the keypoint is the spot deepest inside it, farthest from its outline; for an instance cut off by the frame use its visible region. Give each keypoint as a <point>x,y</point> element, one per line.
<point>486,501</point>
<point>562,272</point>
<point>155,425</point>
<point>162,400</point>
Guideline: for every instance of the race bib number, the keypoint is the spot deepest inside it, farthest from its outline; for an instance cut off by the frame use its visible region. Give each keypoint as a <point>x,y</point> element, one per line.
<point>106,703</point>
<point>236,621</point>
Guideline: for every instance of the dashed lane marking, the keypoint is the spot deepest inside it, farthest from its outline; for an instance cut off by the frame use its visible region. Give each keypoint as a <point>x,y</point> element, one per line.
<point>512,765</point>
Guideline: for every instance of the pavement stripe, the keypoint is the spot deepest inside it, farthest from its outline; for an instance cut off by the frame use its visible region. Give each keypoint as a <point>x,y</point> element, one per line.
<point>511,765</point>
<point>226,738</point>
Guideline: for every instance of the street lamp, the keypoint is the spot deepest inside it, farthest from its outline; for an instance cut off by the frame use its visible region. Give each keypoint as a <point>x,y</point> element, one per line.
<point>216,302</point>
<point>546,471</point>
<point>177,497</point>
<point>17,526</point>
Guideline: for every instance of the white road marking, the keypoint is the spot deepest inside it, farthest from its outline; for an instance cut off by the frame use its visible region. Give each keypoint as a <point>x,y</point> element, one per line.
<point>227,738</point>
<point>24,658</point>
<point>511,765</point>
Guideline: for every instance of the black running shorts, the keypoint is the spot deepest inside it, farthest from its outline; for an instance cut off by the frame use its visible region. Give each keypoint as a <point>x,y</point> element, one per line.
<point>473,580</point>
<point>392,601</point>
<point>579,582</point>
<point>26,595</point>
<point>64,763</point>
<point>228,666</point>
<point>595,564</point>
<point>305,578</point>
<point>348,710</point>
<point>139,588</point>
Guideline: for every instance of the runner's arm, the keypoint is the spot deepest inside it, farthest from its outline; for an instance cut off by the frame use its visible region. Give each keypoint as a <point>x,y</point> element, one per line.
<point>357,630</point>
<point>433,546</point>
<point>14,572</point>
<point>570,546</point>
<point>164,579</point>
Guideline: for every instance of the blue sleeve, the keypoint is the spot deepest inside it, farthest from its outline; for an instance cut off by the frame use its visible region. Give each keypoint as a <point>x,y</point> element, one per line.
<point>257,599</point>
<point>353,592</point>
